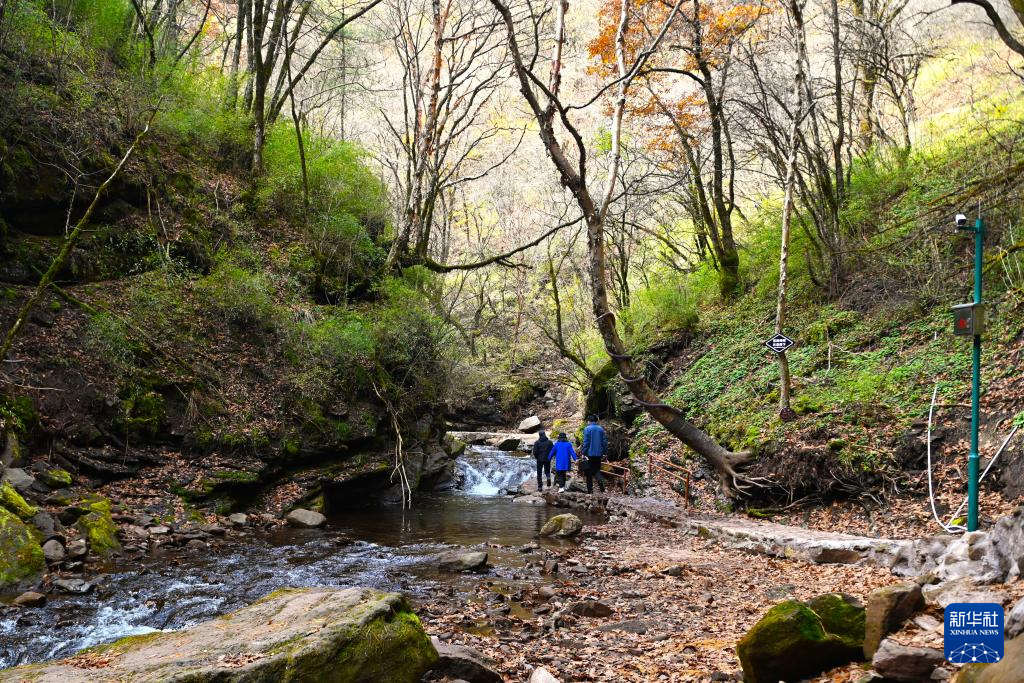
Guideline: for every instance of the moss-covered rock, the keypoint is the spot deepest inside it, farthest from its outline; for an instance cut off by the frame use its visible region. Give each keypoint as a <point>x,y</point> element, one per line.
<point>12,501</point>
<point>790,642</point>
<point>562,525</point>
<point>21,557</point>
<point>841,615</point>
<point>55,478</point>
<point>98,526</point>
<point>325,635</point>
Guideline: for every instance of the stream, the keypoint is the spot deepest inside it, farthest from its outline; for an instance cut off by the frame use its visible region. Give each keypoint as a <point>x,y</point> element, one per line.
<point>386,548</point>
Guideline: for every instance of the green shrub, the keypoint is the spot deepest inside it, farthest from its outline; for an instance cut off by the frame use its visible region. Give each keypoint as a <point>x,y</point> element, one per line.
<point>347,202</point>
<point>194,113</point>
<point>238,296</point>
<point>413,350</point>
<point>666,307</point>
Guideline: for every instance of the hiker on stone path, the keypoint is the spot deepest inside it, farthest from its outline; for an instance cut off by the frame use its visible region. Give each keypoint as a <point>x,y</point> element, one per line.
<point>542,453</point>
<point>564,456</point>
<point>595,447</point>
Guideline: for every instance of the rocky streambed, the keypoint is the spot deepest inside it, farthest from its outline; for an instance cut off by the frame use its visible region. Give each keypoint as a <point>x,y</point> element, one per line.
<point>172,576</point>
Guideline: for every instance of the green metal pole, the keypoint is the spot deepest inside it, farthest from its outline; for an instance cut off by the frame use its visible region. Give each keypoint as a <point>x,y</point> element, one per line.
<point>973,460</point>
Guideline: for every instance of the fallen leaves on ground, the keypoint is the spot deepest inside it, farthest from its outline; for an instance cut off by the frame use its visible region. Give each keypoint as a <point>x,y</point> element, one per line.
<point>680,604</point>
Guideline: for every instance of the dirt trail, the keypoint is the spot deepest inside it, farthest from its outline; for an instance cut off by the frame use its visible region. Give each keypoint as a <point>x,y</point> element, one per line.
<point>679,603</point>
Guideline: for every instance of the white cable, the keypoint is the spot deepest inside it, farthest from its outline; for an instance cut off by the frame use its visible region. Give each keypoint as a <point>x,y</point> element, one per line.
<point>931,493</point>
<point>955,528</point>
<point>987,468</point>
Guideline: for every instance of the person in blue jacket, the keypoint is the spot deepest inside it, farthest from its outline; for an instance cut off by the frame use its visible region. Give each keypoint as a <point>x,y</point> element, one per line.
<point>564,456</point>
<point>595,447</point>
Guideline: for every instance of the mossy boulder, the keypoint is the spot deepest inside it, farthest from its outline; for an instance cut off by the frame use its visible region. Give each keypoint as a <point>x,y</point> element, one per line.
<point>841,615</point>
<point>792,641</point>
<point>55,478</point>
<point>356,635</point>
<point>98,526</point>
<point>21,556</point>
<point>562,525</point>
<point>12,501</point>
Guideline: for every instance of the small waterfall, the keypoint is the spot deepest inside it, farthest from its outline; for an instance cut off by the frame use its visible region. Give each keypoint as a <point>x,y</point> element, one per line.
<point>487,471</point>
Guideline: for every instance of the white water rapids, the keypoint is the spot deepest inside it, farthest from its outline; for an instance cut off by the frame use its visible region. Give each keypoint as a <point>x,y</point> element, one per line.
<point>489,472</point>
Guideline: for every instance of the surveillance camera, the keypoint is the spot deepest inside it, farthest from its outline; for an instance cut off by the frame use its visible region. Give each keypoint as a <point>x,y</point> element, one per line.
<point>961,221</point>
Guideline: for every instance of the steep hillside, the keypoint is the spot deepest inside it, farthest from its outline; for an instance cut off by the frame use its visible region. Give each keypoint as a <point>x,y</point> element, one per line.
<point>231,331</point>
<point>868,357</point>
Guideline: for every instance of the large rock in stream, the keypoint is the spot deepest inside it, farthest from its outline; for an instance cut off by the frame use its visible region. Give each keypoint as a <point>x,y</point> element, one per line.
<point>563,526</point>
<point>309,635</point>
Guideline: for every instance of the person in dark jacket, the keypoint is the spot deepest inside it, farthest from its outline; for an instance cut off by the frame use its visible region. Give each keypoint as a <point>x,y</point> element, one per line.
<point>595,447</point>
<point>564,456</point>
<point>541,452</point>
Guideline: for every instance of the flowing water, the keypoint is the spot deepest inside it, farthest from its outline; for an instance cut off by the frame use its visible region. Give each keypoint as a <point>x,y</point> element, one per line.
<point>489,472</point>
<point>386,548</point>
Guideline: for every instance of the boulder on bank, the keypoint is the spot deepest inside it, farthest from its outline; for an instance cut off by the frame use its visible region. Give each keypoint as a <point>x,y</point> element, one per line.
<point>791,641</point>
<point>18,478</point>
<point>305,519</point>
<point>55,478</point>
<point>21,556</point>
<point>312,634</point>
<point>888,607</point>
<point>841,615</point>
<point>466,664</point>
<point>590,608</point>
<point>30,599</point>
<point>53,551</point>
<point>542,675</point>
<point>12,500</point>
<point>509,443</point>
<point>906,664</point>
<point>562,526</point>
<point>458,561</point>
<point>238,519</point>
<point>530,425</point>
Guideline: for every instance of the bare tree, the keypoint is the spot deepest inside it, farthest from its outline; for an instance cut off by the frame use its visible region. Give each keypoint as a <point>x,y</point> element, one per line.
<point>275,32</point>
<point>453,61</point>
<point>548,108</point>
<point>796,14</point>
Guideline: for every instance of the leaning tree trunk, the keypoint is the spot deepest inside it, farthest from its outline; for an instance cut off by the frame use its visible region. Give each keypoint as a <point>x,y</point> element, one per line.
<point>723,460</point>
<point>65,251</point>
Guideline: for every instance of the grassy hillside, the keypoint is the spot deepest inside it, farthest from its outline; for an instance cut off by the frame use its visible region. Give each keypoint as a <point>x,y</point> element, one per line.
<point>205,309</point>
<point>867,358</point>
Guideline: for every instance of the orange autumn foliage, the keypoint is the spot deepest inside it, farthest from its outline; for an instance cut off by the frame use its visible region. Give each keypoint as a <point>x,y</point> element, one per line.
<point>700,39</point>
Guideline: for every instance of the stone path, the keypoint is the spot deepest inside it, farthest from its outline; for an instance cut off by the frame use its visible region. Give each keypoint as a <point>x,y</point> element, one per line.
<point>765,538</point>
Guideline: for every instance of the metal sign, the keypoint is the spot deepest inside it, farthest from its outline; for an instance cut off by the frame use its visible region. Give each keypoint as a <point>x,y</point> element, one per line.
<point>779,343</point>
<point>968,319</point>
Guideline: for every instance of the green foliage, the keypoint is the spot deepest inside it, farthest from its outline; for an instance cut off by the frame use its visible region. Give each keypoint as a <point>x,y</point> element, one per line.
<point>413,348</point>
<point>143,411</point>
<point>330,355</point>
<point>239,296</point>
<point>347,202</point>
<point>17,414</point>
<point>194,114</point>
<point>666,307</point>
